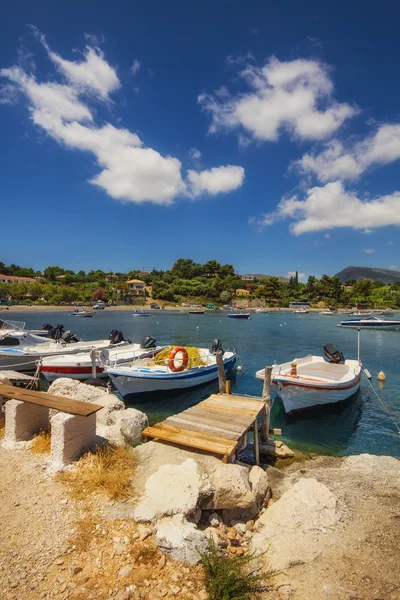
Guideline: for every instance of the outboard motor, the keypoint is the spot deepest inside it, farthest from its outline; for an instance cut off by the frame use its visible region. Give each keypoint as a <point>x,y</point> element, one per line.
<point>47,327</point>
<point>55,333</point>
<point>215,346</point>
<point>148,342</point>
<point>116,336</point>
<point>69,337</point>
<point>333,354</point>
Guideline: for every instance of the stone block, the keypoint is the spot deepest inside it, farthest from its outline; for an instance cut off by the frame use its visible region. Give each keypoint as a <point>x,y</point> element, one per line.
<point>23,421</point>
<point>70,436</point>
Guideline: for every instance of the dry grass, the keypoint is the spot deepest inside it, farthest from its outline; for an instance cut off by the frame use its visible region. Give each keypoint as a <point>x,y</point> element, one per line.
<point>41,443</point>
<point>85,533</point>
<point>107,471</point>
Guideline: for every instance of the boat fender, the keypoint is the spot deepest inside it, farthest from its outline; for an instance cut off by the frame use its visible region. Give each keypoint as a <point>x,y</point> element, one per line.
<point>183,363</point>
<point>367,373</point>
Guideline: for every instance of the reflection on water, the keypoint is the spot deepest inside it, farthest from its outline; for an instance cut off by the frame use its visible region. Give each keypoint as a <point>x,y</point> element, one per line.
<point>360,425</point>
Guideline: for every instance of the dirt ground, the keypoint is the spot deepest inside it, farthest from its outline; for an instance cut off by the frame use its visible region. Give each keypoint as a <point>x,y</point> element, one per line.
<point>54,548</point>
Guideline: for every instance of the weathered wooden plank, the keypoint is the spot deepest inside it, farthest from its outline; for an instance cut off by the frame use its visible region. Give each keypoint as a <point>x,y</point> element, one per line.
<point>231,400</point>
<point>211,420</point>
<point>210,423</point>
<point>193,426</point>
<point>192,439</point>
<point>232,410</point>
<point>16,376</point>
<point>237,421</point>
<point>72,407</point>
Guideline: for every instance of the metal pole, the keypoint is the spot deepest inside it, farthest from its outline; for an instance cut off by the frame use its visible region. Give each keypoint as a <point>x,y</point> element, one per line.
<point>358,344</point>
<point>93,359</point>
<point>266,412</point>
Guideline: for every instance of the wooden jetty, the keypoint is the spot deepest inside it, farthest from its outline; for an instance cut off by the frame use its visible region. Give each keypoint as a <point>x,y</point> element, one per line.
<point>16,377</point>
<point>220,424</point>
<point>217,425</point>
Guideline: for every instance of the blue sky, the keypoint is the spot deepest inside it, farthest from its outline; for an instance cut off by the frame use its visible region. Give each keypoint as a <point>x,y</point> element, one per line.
<point>262,134</point>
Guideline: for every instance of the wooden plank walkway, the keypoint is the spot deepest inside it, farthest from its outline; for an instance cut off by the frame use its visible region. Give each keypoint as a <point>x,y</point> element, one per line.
<point>66,405</point>
<point>216,425</point>
<point>16,376</point>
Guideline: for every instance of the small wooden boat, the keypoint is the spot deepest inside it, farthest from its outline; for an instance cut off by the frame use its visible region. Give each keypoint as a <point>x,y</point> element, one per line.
<point>313,381</point>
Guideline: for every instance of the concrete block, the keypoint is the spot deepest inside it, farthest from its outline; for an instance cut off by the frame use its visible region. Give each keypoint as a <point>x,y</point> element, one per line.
<point>70,437</point>
<point>23,421</point>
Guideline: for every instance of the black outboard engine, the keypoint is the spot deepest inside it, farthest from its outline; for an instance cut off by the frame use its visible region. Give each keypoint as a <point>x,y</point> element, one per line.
<point>69,337</point>
<point>116,336</point>
<point>215,346</point>
<point>47,327</point>
<point>55,333</point>
<point>333,354</point>
<point>148,342</point>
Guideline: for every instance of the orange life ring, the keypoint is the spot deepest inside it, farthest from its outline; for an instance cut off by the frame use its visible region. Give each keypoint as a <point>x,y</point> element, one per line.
<point>183,363</point>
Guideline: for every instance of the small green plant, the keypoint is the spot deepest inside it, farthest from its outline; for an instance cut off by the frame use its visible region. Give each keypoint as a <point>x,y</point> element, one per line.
<point>229,578</point>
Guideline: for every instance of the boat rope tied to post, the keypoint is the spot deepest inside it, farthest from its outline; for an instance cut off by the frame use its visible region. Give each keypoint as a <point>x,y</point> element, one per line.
<point>380,400</point>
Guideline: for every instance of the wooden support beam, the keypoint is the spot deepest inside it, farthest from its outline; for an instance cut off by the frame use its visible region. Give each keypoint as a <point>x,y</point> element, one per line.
<point>221,372</point>
<point>266,396</point>
<point>227,386</point>
<point>256,448</point>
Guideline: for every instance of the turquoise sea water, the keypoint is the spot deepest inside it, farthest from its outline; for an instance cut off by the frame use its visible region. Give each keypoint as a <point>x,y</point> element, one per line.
<point>361,425</point>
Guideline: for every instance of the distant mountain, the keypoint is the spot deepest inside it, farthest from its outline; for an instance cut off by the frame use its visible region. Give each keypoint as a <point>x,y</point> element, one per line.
<point>357,273</point>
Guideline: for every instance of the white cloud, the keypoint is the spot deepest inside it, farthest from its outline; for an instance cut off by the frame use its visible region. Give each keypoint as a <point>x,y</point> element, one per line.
<point>327,236</point>
<point>369,250</point>
<point>394,267</point>
<point>338,162</point>
<point>129,170</point>
<point>92,75</point>
<point>216,180</point>
<point>135,68</point>
<point>332,206</point>
<point>295,95</point>
<point>194,154</point>
<point>366,231</point>
<point>391,243</point>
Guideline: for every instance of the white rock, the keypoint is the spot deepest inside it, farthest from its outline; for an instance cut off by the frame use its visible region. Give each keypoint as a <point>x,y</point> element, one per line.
<point>125,571</point>
<point>131,423</point>
<point>173,489</point>
<point>144,532</point>
<point>294,529</point>
<point>180,540</point>
<point>231,488</point>
<point>214,519</point>
<point>258,479</point>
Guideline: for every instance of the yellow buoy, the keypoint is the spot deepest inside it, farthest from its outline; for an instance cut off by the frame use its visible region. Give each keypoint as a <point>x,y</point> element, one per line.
<point>381,376</point>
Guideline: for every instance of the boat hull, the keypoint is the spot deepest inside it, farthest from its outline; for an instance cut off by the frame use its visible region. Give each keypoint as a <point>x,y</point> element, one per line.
<point>239,316</point>
<point>299,397</point>
<point>377,325</point>
<point>142,383</point>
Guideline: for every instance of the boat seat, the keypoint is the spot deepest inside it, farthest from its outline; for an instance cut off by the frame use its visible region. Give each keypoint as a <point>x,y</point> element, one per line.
<point>324,371</point>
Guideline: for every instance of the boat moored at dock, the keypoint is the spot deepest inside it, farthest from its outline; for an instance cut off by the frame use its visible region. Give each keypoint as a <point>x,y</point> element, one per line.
<point>176,371</point>
<point>312,381</point>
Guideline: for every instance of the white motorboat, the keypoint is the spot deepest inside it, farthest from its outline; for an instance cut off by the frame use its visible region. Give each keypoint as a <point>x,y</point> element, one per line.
<point>140,313</point>
<point>174,373</point>
<point>370,323</point>
<point>83,313</point>
<point>239,314</point>
<point>327,313</point>
<point>311,382</point>
<point>301,311</point>
<point>80,365</point>
<point>20,350</point>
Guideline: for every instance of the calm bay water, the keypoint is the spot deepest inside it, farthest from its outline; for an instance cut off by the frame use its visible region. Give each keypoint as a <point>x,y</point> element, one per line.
<point>361,425</point>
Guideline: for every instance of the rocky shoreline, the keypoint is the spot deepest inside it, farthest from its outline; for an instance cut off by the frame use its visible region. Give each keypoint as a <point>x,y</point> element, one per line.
<point>328,527</point>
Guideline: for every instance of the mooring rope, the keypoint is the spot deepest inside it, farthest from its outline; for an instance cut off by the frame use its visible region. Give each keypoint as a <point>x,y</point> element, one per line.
<point>384,407</point>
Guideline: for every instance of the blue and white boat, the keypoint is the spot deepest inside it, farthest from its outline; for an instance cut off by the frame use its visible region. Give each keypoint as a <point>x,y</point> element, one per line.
<point>239,314</point>
<point>370,323</point>
<point>140,313</point>
<point>173,374</point>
